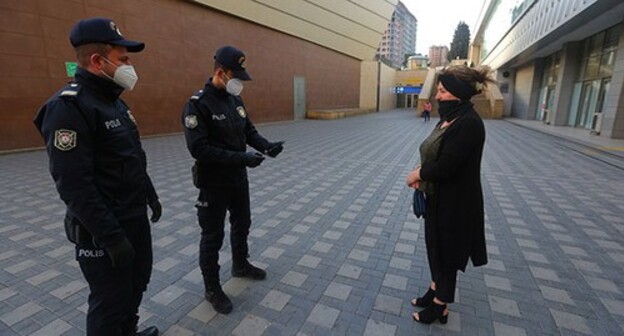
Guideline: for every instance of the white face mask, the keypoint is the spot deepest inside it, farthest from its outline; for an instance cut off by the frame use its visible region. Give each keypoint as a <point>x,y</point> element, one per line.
<point>234,86</point>
<point>125,75</point>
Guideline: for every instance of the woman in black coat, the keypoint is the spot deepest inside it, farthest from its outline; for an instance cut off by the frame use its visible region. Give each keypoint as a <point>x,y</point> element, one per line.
<point>450,177</point>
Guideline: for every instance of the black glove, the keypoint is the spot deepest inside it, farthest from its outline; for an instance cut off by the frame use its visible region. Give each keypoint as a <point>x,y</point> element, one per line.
<point>253,159</point>
<point>121,254</point>
<point>156,210</point>
<point>274,148</point>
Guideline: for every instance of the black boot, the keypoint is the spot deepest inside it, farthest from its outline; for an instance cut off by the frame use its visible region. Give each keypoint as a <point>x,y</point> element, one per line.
<point>425,300</point>
<point>215,295</point>
<point>151,331</point>
<point>130,329</point>
<point>241,268</point>
<point>432,313</point>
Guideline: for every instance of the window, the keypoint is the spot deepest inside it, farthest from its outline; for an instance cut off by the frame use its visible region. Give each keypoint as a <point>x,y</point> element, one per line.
<point>594,78</point>
<point>599,54</point>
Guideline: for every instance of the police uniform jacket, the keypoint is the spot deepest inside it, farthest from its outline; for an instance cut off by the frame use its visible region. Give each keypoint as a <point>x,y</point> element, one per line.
<point>96,158</point>
<point>218,130</point>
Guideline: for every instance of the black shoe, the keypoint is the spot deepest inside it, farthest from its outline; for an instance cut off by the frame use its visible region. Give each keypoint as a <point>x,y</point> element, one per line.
<point>220,302</point>
<point>246,270</point>
<point>151,331</point>
<point>432,313</point>
<point>425,300</point>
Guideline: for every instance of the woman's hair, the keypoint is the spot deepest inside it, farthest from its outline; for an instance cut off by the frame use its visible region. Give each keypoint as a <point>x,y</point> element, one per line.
<point>480,74</point>
<point>464,82</point>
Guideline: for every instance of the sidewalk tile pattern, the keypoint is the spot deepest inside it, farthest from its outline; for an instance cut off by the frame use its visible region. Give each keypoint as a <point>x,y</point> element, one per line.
<point>332,225</point>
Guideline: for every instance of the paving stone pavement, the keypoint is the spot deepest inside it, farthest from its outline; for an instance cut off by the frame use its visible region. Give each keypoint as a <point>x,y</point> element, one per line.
<point>344,255</point>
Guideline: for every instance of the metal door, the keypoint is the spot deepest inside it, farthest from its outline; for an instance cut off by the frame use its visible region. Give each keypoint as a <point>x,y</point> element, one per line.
<point>299,99</point>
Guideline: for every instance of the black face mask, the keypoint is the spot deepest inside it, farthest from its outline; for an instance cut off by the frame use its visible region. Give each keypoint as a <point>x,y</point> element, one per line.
<point>449,109</point>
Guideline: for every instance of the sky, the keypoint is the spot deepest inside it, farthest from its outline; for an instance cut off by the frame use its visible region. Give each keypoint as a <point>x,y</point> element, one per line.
<point>437,20</point>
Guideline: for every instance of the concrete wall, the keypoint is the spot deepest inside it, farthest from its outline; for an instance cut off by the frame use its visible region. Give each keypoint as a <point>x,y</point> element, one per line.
<point>368,85</point>
<point>522,93</point>
<point>506,79</point>
<point>414,77</point>
<point>567,76</point>
<point>181,37</point>
<point>354,28</point>
<point>428,91</point>
<point>387,98</point>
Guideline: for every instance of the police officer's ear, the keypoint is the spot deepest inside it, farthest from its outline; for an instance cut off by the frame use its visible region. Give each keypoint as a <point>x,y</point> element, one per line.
<point>91,61</point>
<point>96,61</point>
<point>221,75</point>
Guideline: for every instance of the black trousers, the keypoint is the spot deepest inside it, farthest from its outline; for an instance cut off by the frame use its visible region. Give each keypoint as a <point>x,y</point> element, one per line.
<point>212,205</point>
<point>444,278</point>
<point>115,294</point>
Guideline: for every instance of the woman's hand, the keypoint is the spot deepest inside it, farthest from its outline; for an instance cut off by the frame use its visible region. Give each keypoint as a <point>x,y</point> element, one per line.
<point>415,185</point>
<point>413,179</point>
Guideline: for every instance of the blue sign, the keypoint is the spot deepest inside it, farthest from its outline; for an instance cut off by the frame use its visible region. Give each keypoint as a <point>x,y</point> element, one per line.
<point>407,89</point>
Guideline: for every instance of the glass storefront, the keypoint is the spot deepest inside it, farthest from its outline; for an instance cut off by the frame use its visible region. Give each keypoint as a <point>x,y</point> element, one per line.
<point>594,80</point>
<point>547,88</point>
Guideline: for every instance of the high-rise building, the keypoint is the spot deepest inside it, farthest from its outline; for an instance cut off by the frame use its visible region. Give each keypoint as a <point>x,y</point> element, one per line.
<point>400,37</point>
<point>438,56</point>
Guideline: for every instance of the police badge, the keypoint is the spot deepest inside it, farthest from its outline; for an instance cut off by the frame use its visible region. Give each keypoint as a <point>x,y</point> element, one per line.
<point>190,121</point>
<point>64,139</point>
<point>114,27</point>
<point>241,111</point>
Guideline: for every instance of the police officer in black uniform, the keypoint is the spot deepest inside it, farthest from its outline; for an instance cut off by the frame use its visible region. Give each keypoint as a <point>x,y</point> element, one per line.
<point>218,130</point>
<point>99,167</point>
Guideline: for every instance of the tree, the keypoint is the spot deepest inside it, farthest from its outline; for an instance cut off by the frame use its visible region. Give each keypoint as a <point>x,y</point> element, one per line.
<point>461,41</point>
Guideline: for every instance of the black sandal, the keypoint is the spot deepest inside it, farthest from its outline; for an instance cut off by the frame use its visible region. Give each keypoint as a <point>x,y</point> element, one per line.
<point>432,313</point>
<point>424,301</point>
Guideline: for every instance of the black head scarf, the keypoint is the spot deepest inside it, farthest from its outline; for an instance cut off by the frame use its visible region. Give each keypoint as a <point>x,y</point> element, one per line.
<point>459,88</point>
<point>451,109</point>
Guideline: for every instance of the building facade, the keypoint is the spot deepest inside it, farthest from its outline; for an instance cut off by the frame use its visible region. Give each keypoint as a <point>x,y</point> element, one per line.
<point>399,39</point>
<point>302,55</point>
<point>417,62</point>
<point>560,62</point>
<point>438,56</point>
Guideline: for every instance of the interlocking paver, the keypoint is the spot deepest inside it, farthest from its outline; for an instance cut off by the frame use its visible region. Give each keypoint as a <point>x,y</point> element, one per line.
<point>251,326</point>
<point>57,327</point>
<point>332,225</point>
<point>20,313</point>
<point>323,316</point>
<point>338,291</point>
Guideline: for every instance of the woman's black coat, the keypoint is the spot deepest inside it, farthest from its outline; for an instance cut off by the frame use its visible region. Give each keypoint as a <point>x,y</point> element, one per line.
<point>456,212</point>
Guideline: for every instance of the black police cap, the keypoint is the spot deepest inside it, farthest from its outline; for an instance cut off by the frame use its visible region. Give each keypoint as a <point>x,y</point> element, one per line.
<point>101,30</point>
<point>232,59</point>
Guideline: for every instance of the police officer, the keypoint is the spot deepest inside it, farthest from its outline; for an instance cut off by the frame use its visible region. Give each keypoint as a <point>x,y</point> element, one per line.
<point>99,167</point>
<point>218,130</point>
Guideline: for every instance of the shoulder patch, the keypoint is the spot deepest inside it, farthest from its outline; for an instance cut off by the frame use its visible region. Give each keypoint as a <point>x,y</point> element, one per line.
<point>65,139</point>
<point>191,121</point>
<point>131,116</point>
<point>70,90</point>
<point>68,93</point>
<point>241,111</point>
<point>197,95</point>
